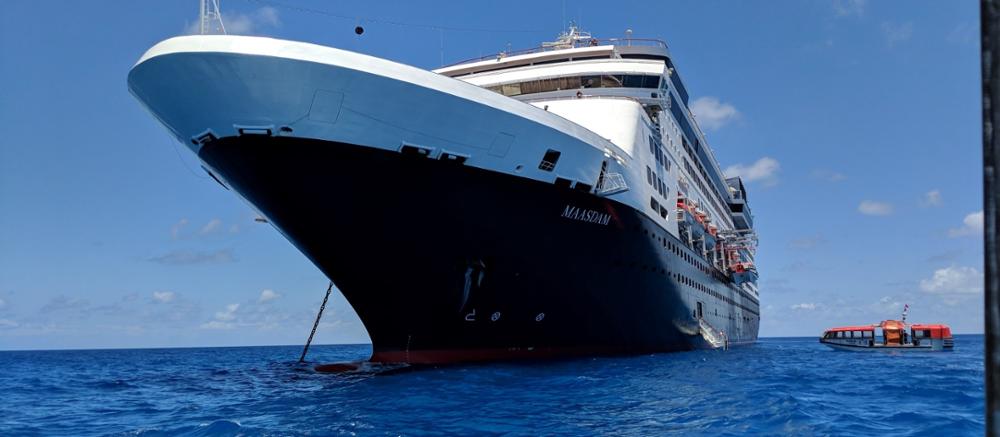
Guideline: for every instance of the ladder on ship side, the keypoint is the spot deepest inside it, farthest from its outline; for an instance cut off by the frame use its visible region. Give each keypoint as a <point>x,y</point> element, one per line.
<point>718,339</point>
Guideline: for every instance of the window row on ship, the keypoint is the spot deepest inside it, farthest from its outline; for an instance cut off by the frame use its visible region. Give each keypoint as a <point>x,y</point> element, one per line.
<point>849,334</point>
<point>711,195</point>
<point>577,82</point>
<point>642,81</point>
<point>682,128</point>
<point>658,155</point>
<point>688,256</point>
<point>688,133</point>
<point>712,292</point>
<point>665,156</point>
<point>624,81</point>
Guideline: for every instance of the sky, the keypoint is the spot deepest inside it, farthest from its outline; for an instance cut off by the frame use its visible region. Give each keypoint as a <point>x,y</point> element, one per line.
<point>856,125</point>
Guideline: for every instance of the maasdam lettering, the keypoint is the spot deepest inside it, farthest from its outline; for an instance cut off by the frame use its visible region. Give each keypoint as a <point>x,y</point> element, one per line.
<point>586,215</point>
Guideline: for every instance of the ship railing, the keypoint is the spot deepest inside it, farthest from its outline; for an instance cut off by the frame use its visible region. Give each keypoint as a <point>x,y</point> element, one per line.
<point>577,97</point>
<point>611,184</point>
<point>592,42</point>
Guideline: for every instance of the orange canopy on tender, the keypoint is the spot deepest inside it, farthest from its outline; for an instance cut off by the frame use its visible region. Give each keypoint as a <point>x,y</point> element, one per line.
<point>893,330</point>
<point>937,331</point>
<point>893,325</point>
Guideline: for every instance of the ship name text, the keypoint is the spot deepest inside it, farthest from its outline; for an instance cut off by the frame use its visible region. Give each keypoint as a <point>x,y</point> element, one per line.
<point>586,215</point>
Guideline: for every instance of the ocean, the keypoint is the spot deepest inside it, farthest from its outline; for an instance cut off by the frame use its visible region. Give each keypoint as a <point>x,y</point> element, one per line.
<point>786,386</point>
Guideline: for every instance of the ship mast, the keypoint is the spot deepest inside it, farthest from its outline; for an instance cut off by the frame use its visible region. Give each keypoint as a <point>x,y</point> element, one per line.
<point>569,38</point>
<point>209,16</point>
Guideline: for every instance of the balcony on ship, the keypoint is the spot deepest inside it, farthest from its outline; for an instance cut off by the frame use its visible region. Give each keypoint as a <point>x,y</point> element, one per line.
<point>739,209</point>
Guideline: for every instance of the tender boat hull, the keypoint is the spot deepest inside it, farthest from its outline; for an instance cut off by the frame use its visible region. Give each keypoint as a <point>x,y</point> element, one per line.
<point>929,346</point>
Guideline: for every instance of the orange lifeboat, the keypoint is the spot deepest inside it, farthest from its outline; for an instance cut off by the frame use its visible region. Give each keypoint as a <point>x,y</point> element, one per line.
<point>893,335</point>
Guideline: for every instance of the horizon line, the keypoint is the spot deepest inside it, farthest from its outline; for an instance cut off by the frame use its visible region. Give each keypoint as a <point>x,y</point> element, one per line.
<point>288,345</point>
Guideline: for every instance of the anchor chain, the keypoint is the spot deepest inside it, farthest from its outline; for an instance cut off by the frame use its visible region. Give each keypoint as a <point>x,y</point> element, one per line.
<point>302,359</point>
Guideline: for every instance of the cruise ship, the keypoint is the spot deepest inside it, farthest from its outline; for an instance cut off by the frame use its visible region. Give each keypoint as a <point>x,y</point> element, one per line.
<point>551,202</point>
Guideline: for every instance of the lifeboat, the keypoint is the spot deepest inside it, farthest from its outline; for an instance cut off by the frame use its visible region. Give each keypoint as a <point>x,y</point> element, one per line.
<point>742,272</point>
<point>688,217</point>
<point>894,335</point>
<point>700,215</point>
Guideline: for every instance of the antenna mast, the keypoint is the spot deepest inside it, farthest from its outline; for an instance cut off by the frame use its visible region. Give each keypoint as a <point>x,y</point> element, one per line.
<point>209,16</point>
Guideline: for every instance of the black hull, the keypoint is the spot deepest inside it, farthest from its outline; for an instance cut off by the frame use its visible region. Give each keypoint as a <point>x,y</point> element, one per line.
<point>444,262</point>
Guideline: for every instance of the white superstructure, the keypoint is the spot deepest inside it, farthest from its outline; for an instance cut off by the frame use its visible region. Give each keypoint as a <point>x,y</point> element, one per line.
<point>628,92</point>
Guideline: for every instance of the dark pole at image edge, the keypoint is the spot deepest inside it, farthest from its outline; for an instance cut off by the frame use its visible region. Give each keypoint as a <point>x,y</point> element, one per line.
<point>989,26</point>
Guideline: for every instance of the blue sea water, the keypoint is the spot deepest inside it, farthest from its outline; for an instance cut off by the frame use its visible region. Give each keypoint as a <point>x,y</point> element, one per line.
<point>788,386</point>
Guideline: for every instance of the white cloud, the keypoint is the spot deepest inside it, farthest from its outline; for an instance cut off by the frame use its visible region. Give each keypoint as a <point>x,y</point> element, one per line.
<point>210,227</point>
<point>223,319</point>
<point>268,16</point>
<point>871,207</point>
<point>932,198</point>
<point>828,175</point>
<point>954,280</point>
<point>845,8</point>
<point>764,169</point>
<point>267,295</point>
<point>68,304</point>
<point>185,257</point>
<point>164,296</point>
<point>182,229</point>
<point>972,225</point>
<point>229,313</point>
<point>215,324</point>
<point>896,33</point>
<point>238,24</point>
<point>177,228</point>
<point>887,303</point>
<point>245,24</point>
<point>713,114</point>
<point>964,33</point>
<point>805,306</point>
<point>807,242</point>
<point>255,315</point>
<point>3,303</point>
<point>8,323</point>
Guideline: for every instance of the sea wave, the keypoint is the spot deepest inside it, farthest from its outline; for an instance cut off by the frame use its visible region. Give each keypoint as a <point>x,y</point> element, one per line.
<point>777,386</point>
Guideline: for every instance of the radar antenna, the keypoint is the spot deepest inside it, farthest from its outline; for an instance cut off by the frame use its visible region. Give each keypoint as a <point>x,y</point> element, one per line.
<point>569,38</point>
<point>210,19</point>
